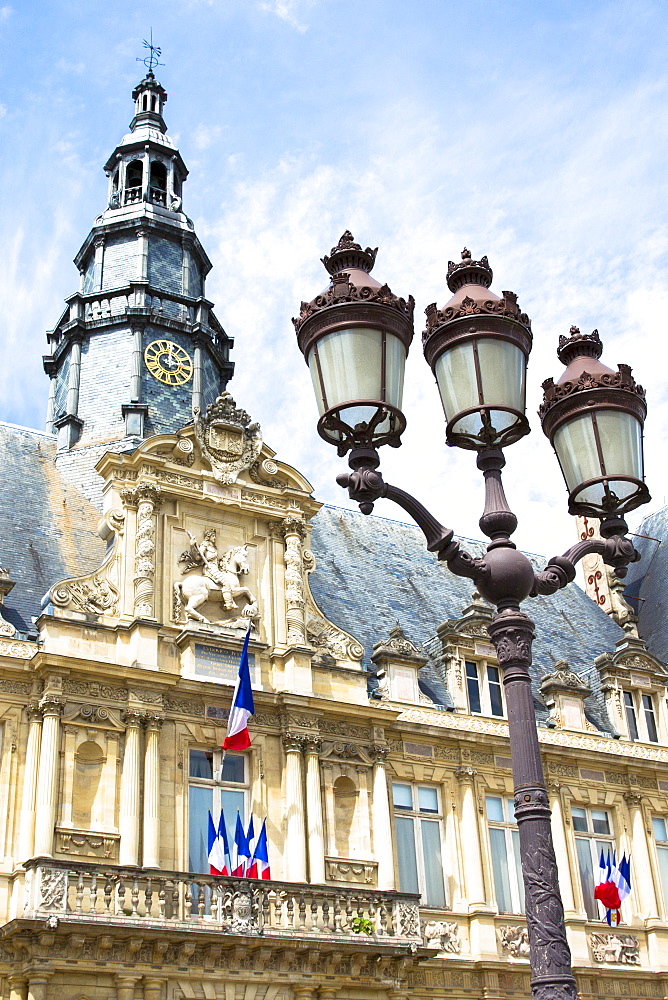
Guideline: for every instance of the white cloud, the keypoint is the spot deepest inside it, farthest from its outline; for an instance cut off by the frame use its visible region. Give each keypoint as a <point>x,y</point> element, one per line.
<point>5,12</point>
<point>3,110</point>
<point>290,11</point>
<point>205,135</point>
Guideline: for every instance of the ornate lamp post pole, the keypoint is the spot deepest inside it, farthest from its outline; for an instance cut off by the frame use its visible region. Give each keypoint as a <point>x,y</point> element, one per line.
<point>355,337</point>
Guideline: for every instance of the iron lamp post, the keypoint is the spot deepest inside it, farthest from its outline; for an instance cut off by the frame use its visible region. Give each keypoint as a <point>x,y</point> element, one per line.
<point>355,337</point>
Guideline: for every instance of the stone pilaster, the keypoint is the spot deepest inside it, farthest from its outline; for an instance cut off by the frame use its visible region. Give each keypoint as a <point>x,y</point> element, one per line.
<point>294,804</point>
<point>382,823</point>
<point>147,498</point>
<point>561,848</point>
<point>47,781</point>
<point>316,830</point>
<point>74,379</point>
<point>151,854</point>
<point>28,798</point>
<point>129,804</point>
<point>142,244</point>
<point>198,394</point>
<point>293,529</point>
<point>98,273</point>
<point>645,896</point>
<point>470,839</point>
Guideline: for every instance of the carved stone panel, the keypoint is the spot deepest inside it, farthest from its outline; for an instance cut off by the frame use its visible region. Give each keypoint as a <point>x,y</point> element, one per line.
<point>345,870</point>
<point>615,949</point>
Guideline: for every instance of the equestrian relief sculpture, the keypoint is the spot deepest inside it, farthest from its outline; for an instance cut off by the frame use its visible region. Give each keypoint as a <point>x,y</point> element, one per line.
<point>210,577</point>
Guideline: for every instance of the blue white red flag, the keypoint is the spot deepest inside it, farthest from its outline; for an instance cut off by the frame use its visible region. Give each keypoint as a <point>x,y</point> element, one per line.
<point>216,854</point>
<point>250,836</point>
<point>225,847</point>
<point>237,737</point>
<point>614,884</point>
<point>242,850</point>
<point>259,866</point>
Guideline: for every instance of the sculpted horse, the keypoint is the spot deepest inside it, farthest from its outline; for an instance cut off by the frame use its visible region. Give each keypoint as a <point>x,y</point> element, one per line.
<point>224,577</point>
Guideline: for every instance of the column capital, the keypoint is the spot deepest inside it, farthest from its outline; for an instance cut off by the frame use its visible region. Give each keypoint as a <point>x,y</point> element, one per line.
<point>51,704</point>
<point>293,742</point>
<point>132,718</point>
<point>633,799</point>
<point>380,755</point>
<point>153,721</point>
<point>312,745</point>
<point>34,712</point>
<point>465,774</point>
<point>293,524</point>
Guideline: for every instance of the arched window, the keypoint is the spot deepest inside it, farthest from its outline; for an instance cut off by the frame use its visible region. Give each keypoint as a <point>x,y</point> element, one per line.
<point>114,180</point>
<point>133,181</point>
<point>145,103</point>
<point>154,103</point>
<point>158,182</point>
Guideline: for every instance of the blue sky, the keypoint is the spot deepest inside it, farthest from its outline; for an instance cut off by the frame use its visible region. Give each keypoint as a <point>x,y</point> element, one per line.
<point>534,133</point>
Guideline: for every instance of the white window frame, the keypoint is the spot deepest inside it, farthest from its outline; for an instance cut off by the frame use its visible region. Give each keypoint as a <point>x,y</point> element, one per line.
<point>596,841</point>
<point>218,787</point>
<point>482,670</point>
<point>637,697</point>
<point>418,816</point>
<point>509,827</point>
<point>661,848</point>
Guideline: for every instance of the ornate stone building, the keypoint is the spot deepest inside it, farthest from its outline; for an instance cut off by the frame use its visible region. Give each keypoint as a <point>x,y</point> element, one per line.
<point>142,534</point>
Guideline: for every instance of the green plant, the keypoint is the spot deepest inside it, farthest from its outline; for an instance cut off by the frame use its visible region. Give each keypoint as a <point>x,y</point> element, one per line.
<point>362,925</point>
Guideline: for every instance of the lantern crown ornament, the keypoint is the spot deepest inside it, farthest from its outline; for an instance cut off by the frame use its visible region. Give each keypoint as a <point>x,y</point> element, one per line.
<point>594,419</point>
<point>355,338</point>
<point>478,346</point>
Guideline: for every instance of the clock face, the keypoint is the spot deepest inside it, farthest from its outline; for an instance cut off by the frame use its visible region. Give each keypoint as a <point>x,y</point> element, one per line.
<point>168,362</point>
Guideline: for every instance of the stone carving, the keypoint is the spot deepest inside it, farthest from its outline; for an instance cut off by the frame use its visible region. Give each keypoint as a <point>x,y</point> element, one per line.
<point>85,844</point>
<point>269,468</point>
<point>218,576</point>
<point>617,949</point>
<point>322,634</point>
<point>409,919</point>
<point>622,612</point>
<point>294,531</point>
<point>94,689</point>
<point>95,595</point>
<point>227,439</point>
<point>17,648</point>
<point>442,936</point>
<point>53,889</point>
<point>398,646</point>
<point>360,872</point>
<point>238,909</point>
<point>6,585</point>
<point>564,679</point>
<point>514,941</point>
<point>147,498</point>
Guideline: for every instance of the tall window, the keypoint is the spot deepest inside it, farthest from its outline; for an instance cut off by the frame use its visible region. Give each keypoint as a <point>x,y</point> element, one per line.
<point>210,791</point>
<point>418,825</point>
<point>484,688</point>
<point>661,838</point>
<point>504,841</point>
<point>641,716</point>
<point>593,834</point>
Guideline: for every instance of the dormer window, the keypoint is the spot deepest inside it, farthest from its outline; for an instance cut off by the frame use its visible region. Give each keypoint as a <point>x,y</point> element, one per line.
<point>484,689</point>
<point>641,724</point>
<point>158,186</point>
<point>134,177</point>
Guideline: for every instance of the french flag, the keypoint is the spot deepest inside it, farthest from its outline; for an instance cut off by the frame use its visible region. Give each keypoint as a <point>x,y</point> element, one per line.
<point>259,866</point>
<point>216,859</point>
<point>225,847</point>
<point>614,884</point>
<point>237,737</point>
<point>243,850</point>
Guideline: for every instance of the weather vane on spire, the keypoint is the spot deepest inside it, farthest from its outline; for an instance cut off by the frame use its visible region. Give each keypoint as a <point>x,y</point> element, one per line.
<point>153,56</point>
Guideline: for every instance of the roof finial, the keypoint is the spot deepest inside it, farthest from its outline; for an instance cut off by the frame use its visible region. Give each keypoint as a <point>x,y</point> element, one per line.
<point>154,53</point>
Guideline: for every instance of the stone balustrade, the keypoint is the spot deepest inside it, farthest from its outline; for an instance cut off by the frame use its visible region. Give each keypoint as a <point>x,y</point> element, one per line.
<point>87,893</point>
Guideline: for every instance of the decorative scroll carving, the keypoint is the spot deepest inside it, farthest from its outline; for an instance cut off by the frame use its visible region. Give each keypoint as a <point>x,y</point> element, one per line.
<point>17,648</point>
<point>94,689</point>
<point>293,529</point>
<point>218,580</point>
<point>83,843</point>
<point>343,870</point>
<point>346,751</point>
<point>227,439</point>
<point>147,498</point>
<point>398,646</point>
<point>239,911</point>
<point>53,889</point>
<point>6,585</point>
<point>442,936</point>
<point>326,637</point>
<point>615,949</point>
<point>514,941</point>
<point>409,919</point>
<point>563,679</point>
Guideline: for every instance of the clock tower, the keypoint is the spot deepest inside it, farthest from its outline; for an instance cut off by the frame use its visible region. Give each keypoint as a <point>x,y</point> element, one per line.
<point>138,347</point>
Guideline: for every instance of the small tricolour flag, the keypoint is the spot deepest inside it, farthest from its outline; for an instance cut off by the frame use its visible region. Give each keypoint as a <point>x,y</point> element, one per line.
<point>216,852</point>
<point>614,884</point>
<point>242,852</point>
<point>259,866</point>
<point>237,737</point>
<point>225,847</point>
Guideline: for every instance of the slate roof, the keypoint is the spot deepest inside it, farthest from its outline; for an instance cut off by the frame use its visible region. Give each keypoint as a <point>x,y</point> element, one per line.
<point>48,531</point>
<point>646,582</point>
<point>372,573</point>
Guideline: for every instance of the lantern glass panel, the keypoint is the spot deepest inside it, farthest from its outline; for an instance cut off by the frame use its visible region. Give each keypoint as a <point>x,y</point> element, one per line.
<point>502,369</point>
<point>620,437</point>
<point>347,366</point>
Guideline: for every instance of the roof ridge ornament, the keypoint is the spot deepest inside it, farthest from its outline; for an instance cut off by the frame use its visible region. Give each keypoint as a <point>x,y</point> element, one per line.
<point>152,59</point>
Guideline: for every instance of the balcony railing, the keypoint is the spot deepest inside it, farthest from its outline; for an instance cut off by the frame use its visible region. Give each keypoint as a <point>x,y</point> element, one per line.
<point>87,893</point>
<point>132,194</point>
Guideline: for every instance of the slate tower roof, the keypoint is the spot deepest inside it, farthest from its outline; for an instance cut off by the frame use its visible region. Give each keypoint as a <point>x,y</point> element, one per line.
<point>138,347</point>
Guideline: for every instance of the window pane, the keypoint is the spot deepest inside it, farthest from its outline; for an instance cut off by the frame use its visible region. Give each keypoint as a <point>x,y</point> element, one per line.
<point>473,687</point>
<point>510,810</point>
<point>600,821</point>
<point>231,802</point>
<point>433,866</point>
<point>579,819</point>
<point>495,698</point>
<point>402,796</point>
<point>586,876</point>
<point>518,867</point>
<point>659,828</point>
<point>497,840</point>
<point>630,715</point>
<point>201,764</point>
<point>494,809</point>
<point>408,879</point>
<point>663,868</point>
<point>234,768</point>
<point>427,799</point>
<point>650,720</point>
<point>199,805</point>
